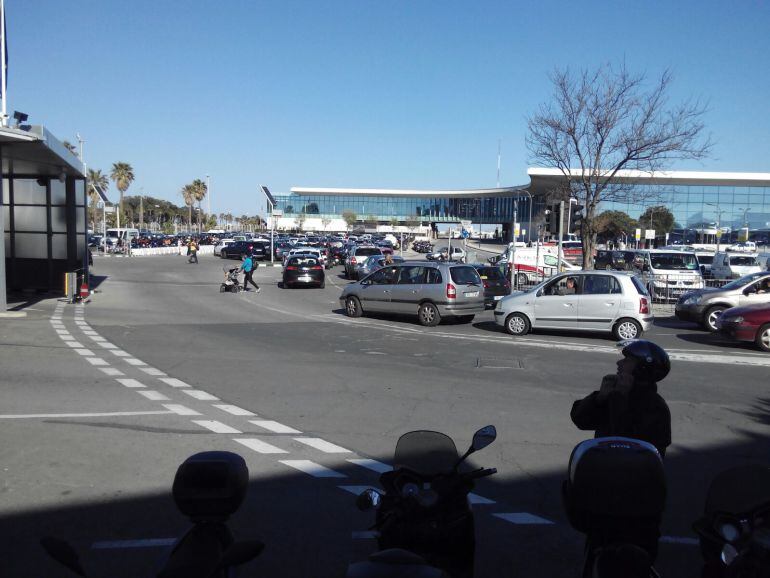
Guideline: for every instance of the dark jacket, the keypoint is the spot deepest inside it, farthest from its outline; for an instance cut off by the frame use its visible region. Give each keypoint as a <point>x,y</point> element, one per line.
<point>641,414</point>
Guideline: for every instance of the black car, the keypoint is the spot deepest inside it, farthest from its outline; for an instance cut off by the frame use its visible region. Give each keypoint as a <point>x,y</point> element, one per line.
<point>496,286</point>
<point>303,270</point>
<point>240,249</point>
<point>614,260</point>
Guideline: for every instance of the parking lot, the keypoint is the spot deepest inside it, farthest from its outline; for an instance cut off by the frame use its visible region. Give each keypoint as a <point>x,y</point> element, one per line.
<point>315,402</point>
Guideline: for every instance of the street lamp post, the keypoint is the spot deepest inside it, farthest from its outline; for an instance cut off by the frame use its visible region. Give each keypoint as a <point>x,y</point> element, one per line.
<point>569,212</point>
<point>272,225</point>
<point>719,222</point>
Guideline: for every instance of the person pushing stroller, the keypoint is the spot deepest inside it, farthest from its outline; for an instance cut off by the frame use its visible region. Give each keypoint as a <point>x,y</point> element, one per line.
<point>247,266</point>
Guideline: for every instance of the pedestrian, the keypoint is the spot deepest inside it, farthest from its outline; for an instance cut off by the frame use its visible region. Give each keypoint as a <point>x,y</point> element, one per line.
<point>628,403</point>
<point>193,251</point>
<point>247,266</point>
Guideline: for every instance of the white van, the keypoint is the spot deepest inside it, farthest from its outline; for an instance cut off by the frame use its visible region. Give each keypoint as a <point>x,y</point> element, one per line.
<point>735,264</point>
<point>121,233</point>
<point>668,274</point>
<point>532,264</point>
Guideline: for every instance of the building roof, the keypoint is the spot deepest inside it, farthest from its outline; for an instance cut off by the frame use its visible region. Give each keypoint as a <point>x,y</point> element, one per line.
<point>34,150</point>
<point>540,176</point>
<point>460,193</point>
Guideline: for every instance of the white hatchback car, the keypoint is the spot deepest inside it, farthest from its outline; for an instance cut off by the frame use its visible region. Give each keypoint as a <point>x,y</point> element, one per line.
<point>607,301</point>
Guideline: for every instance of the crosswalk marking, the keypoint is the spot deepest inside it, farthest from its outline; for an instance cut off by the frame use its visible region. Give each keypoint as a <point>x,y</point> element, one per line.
<point>217,426</point>
<point>373,465</point>
<point>356,490</point>
<point>111,371</point>
<point>200,395</point>
<point>153,395</point>
<point>96,361</point>
<point>259,446</point>
<point>180,409</point>
<point>312,468</point>
<point>133,361</point>
<point>152,371</point>
<point>322,445</point>
<point>522,518</point>
<point>174,382</point>
<point>274,427</point>
<point>233,409</point>
<point>130,382</point>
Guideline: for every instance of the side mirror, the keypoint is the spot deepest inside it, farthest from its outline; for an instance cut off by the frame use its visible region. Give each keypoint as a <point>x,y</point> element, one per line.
<point>484,437</point>
<point>366,282</point>
<point>369,499</point>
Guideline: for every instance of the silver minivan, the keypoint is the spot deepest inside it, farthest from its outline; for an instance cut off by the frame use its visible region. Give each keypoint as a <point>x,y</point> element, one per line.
<point>429,290</point>
<point>608,301</point>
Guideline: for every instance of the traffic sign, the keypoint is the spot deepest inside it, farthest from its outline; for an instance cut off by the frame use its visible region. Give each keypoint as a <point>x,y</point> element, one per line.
<point>638,234</point>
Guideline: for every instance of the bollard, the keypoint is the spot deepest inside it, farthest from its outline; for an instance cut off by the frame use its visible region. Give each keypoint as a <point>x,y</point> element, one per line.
<point>70,285</point>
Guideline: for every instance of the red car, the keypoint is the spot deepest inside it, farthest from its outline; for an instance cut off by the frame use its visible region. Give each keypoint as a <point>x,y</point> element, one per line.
<point>749,323</point>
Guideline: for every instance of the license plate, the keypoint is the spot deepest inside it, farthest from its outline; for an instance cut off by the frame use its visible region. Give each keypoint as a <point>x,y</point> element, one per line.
<point>471,294</point>
<point>304,277</point>
<point>498,297</point>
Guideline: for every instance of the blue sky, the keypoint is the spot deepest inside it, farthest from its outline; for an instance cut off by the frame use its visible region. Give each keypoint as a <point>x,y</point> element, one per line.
<point>361,93</point>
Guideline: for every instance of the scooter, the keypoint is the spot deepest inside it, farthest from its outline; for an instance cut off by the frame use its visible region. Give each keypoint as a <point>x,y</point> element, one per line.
<point>424,520</point>
<point>734,530</point>
<point>208,488</point>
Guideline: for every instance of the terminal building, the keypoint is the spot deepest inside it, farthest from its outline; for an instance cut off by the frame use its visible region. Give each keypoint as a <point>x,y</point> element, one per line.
<point>702,204</point>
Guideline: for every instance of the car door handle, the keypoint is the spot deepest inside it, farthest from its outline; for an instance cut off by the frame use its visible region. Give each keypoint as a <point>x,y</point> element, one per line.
<point>609,303</point>
<point>386,291</point>
<point>568,304</point>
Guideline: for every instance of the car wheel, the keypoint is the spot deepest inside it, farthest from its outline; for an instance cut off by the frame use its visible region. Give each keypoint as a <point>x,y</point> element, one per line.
<point>521,279</point>
<point>517,324</point>
<point>222,288</point>
<point>353,307</point>
<point>322,285</point>
<point>711,316</point>
<point>428,315</point>
<point>223,255</point>
<point>763,337</point>
<point>626,329</point>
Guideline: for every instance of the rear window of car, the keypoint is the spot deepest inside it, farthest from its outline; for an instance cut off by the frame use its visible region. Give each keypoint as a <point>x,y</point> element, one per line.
<point>492,273</point>
<point>303,261</point>
<point>464,275</point>
<point>368,251</point>
<point>640,288</point>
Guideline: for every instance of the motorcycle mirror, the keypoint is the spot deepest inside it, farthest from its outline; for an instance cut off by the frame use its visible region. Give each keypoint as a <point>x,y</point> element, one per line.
<point>369,499</point>
<point>484,437</point>
<point>241,552</point>
<point>63,553</point>
<point>729,554</point>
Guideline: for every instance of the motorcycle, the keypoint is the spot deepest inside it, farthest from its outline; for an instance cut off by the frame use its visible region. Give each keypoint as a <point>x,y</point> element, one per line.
<point>208,488</point>
<point>423,519</point>
<point>734,530</point>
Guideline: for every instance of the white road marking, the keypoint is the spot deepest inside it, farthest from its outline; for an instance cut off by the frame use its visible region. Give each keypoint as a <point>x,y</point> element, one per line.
<point>94,414</point>
<point>62,332</point>
<point>130,382</point>
<point>201,395</point>
<point>96,361</point>
<point>356,490</point>
<point>133,361</point>
<point>680,540</point>
<point>477,500</point>
<point>233,409</point>
<point>153,395</point>
<point>259,446</point>
<point>275,427</point>
<point>174,382</point>
<point>312,468</point>
<point>74,343</point>
<point>97,338</point>
<point>84,351</point>
<point>111,371</point>
<point>67,337</point>
<point>108,345</point>
<point>152,371</point>
<point>89,332</point>
<point>375,353</point>
<point>373,465</point>
<point>523,518</point>
<point>217,426</point>
<point>180,409</point>
<point>323,445</point>
<point>120,353</point>
<point>145,543</point>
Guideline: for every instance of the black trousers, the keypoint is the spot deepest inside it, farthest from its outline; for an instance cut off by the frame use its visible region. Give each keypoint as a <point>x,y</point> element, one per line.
<point>247,279</point>
<point>193,257</point>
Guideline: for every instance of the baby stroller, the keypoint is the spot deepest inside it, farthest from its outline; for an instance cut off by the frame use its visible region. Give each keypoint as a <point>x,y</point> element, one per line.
<point>232,281</point>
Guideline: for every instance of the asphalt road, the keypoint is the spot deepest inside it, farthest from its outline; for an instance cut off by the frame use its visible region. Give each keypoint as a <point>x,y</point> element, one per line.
<point>102,402</point>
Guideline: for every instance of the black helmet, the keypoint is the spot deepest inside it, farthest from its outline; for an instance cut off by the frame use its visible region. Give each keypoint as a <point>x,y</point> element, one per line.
<point>653,362</point>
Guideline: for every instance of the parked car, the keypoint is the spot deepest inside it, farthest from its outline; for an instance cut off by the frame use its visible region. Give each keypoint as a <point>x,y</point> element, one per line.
<point>220,244</point>
<point>431,291</point>
<point>606,301</point>
<point>705,306</point>
<point>373,263</point>
<point>239,249</point>
<point>441,253</point>
<point>614,260</point>
<point>668,274</point>
<point>357,255</point>
<point>734,264</point>
<point>496,284</point>
<point>749,323</point>
<point>303,270</point>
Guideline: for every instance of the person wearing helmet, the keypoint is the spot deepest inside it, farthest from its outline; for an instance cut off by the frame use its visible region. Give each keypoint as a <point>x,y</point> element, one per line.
<point>628,403</point>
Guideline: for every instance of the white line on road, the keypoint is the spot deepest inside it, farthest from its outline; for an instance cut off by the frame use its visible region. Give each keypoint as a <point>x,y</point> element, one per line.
<point>63,332</point>
<point>322,445</point>
<point>120,353</point>
<point>174,382</point>
<point>180,409</point>
<point>275,427</point>
<point>96,361</point>
<point>523,518</point>
<point>90,332</point>
<point>108,345</point>
<point>260,447</point>
<point>200,395</point>
<point>217,426</point>
<point>477,500</point>
<point>233,409</point>
<point>356,490</point>
<point>84,351</point>
<point>312,468</point>
<point>130,382</point>
<point>73,344</point>
<point>145,543</point>
<point>67,337</point>
<point>111,371</point>
<point>95,414</point>
<point>373,465</point>
<point>133,361</point>
<point>152,371</point>
<point>97,338</point>
<point>153,395</point>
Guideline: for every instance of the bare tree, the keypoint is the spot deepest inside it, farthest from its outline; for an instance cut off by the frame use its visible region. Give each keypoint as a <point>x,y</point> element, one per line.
<point>605,121</point>
<point>325,221</point>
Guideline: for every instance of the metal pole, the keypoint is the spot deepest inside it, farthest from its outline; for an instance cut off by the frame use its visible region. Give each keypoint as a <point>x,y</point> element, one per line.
<point>4,119</point>
<point>208,196</point>
<point>561,234</point>
<point>3,299</point>
<point>512,246</point>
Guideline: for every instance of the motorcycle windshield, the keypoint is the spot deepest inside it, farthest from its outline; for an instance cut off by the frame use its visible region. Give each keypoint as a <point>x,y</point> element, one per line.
<point>426,453</point>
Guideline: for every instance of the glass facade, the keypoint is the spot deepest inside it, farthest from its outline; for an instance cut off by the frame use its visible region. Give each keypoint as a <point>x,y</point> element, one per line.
<point>487,210</point>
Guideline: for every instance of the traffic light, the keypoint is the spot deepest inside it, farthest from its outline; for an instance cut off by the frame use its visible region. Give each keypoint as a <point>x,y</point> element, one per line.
<point>548,220</point>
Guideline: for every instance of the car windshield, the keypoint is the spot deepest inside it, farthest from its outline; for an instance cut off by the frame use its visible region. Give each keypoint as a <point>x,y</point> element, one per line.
<point>744,260</point>
<point>364,251</point>
<point>738,283</point>
<point>674,261</point>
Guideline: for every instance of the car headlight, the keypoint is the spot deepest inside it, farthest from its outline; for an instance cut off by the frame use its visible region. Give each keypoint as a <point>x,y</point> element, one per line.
<point>692,300</point>
<point>738,319</point>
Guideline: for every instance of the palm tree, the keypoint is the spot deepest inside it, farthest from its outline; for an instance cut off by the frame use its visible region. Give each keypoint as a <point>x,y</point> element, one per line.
<point>199,192</point>
<point>96,182</point>
<point>188,194</point>
<point>123,175</point>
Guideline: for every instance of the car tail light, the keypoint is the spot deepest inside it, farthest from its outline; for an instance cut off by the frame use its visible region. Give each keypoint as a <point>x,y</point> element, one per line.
<point>451,291</point>
<point>316,268</point>
<point>291,268</point>
<point>644,305</point>
<point>486,284</point>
